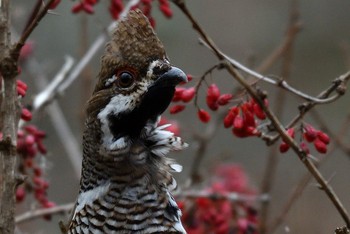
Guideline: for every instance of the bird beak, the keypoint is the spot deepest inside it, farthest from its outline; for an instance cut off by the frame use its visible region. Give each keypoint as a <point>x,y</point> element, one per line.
<point>172,77</point>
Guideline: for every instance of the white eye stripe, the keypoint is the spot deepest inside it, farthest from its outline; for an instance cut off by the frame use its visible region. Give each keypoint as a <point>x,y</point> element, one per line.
<point>110,80</point>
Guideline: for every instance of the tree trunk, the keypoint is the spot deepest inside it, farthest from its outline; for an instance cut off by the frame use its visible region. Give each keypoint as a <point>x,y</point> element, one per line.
<point>9,115</point>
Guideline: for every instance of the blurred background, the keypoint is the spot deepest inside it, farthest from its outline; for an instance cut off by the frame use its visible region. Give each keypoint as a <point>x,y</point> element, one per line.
<point>248,31</point>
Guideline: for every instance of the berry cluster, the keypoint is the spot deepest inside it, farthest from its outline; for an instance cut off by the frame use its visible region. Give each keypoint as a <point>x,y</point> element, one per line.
<point>319,139</point>
<point>213,99</point>
<point>117,6</point>
<point>29,146</point>
<point>216,214</point>
<point>244,118</point>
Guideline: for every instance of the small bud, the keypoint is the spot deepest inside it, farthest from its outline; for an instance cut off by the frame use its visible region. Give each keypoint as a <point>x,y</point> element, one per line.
<point>176,109</point>
<point>203,116</point>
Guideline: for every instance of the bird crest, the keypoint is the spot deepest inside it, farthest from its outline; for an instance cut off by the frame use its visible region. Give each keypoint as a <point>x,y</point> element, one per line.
<point>133,44</point>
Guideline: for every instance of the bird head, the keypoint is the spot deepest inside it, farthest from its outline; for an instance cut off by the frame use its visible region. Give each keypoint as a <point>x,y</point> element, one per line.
<point>136,82</point>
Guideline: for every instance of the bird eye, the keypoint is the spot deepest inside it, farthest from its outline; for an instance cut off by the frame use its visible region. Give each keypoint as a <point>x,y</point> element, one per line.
<point>125,79</point>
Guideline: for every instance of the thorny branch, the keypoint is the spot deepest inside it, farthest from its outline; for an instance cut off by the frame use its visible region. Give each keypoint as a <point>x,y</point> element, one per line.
<point>304,181</point>
<point>231,66</point>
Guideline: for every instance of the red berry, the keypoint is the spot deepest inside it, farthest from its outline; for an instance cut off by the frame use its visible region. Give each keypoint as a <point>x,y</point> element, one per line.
<point>248,118</point>
<point>42,149</point>
<point>224,99</point>
<point>54,4</point>
<point>239,132</point>
<point>213,94</point>
<point>284,147</point>
<point>291,132</point>
<point>166,11</point>
<point>22,85</point>
<point>320,146</point>
<point>323,137</point>
<point>37,171</point>
<point>20,194</point>
<point>258,111</point>
<point>238,122</point>
<point>178,94</point>
<point>228,120</point>
<point>26,50</point>
<point>177,109</point>
<point>26,115</point>
<point>310,133</point>
<point>21,92</point>
<point>77,7</point>
<point>189,77</point>
<point>29,140</point>
<point>88,8</point>
<point>203,116</point>
<point>188,94</point>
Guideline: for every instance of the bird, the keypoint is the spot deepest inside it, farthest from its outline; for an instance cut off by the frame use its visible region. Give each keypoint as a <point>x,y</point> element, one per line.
<point>126,182</point>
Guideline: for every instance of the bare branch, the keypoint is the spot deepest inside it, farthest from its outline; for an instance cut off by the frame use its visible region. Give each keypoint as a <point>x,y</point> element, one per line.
<point>51,91</point>
<point>33,214</point>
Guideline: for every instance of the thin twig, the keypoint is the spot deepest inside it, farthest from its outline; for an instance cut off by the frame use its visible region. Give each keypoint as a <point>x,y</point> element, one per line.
<point>33,214</point>
<point>203,143</point>
<point>29,29</point>
<point>231,68</point>
<point>272,160</point>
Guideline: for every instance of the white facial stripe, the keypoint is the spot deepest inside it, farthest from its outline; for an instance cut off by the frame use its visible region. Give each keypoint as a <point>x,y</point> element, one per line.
<point>119,104</point>
<point>110,80</point>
